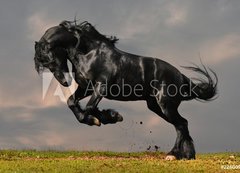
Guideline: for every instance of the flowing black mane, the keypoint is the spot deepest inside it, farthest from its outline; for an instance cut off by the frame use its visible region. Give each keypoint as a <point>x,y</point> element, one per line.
<point>89,30</point>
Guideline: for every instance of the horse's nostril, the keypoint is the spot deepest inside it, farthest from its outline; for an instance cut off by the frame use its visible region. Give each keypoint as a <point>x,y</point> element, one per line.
<point>65,84</point>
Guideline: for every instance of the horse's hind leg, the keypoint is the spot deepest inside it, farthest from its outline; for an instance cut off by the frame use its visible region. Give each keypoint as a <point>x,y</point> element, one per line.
<point>183,147</point>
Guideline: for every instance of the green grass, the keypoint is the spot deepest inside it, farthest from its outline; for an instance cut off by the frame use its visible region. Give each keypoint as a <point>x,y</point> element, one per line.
<point>74,161</point>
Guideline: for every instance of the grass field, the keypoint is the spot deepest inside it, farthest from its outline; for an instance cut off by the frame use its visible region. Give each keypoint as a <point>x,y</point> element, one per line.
<point>73,161</point>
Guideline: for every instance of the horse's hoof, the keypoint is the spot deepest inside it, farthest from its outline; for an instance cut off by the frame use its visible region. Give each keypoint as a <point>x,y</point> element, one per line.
<point>96,121</point>
<point>91,120</point>
<point>115,115</point>
<point>119,118</point>
<point>170,158</point>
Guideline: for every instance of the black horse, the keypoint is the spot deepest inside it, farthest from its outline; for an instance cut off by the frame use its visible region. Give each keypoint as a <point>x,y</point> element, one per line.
<point>102,70</point>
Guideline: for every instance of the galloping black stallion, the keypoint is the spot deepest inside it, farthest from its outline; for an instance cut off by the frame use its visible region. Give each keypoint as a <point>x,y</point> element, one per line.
<point>102,70</point>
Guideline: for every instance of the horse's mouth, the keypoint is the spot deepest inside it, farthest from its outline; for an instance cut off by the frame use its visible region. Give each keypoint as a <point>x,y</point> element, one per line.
<point>63,79</point>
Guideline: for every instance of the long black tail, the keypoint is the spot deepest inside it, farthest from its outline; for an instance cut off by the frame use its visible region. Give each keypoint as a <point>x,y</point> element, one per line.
<point>204,89</point>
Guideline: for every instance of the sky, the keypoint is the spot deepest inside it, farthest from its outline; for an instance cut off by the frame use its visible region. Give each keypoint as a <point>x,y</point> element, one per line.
<point>178,32</point>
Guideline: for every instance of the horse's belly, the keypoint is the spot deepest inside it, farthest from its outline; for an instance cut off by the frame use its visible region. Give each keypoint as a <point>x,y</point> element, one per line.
<point>126,93</point>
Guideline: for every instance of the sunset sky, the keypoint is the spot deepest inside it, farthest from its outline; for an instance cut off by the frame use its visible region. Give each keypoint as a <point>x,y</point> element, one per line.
<point>178,32</point>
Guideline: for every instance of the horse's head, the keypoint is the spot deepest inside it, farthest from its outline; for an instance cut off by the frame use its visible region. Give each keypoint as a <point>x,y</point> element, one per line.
<point>51,53</point>
<point>52,50</point>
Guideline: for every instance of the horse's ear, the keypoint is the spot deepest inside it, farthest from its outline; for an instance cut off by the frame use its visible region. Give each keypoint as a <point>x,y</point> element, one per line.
<point>88,27</point>
<point>65,24</point>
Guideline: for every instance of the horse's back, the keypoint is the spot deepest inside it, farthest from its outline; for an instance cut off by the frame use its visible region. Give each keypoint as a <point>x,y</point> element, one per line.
<point>143,70</point>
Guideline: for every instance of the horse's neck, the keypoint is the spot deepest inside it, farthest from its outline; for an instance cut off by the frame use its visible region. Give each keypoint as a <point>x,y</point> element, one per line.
<point>97,45</point>
<point>75,57</point>
<point>82,61</point>
<point>77,61</point>
<point>79,58</point>
<point>106,47</point>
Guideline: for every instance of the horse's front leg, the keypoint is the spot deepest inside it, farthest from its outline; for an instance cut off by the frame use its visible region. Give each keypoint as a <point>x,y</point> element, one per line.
<point>108,116</point>
<point>74,105</point>
<point>97,95</point>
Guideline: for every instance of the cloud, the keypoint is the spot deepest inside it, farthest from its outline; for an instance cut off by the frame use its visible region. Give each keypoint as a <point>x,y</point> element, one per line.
<point>222,49</point>
<point>49,138</point>
<point>38,23</point>
<point>177,14</point>
<point>137,23</point>
<point>153,121</point>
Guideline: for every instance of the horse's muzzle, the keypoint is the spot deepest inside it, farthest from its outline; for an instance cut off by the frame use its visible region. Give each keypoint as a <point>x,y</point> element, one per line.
<point>63,79</point>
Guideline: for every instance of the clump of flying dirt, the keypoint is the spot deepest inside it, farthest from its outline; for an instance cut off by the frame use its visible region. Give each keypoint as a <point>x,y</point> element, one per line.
<point>153,148</point>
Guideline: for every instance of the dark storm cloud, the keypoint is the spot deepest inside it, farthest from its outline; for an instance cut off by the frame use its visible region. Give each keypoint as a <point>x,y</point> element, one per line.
<point>175,31</point>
